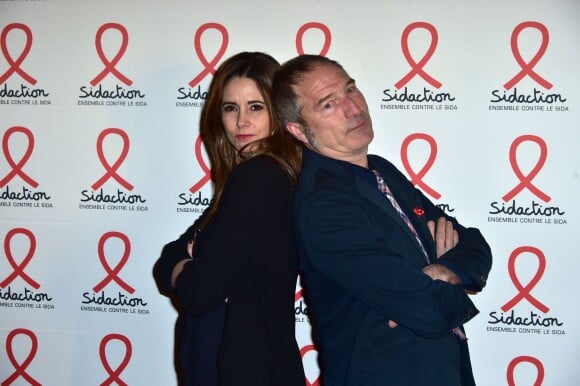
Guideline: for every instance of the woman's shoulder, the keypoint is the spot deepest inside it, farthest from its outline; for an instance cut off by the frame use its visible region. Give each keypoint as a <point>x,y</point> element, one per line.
<point>258,175</point>
<point>257,181</point>
<point>261,165</point>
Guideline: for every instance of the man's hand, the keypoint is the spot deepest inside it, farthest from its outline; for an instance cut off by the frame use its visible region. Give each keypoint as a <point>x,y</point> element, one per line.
<point>445,238</point>
<point>444,235</point>
<point>440,272</point>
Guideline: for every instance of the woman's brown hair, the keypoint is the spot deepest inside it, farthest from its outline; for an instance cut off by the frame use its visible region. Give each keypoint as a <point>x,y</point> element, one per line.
<point>280,145</point>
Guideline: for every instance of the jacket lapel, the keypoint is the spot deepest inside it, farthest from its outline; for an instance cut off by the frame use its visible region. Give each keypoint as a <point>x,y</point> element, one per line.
<point>409,200</point>
<point>373,195</point>
<point>315,162</point>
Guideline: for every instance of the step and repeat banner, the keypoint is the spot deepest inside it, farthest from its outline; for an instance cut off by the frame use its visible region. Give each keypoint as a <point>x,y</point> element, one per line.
<point>101,165</point>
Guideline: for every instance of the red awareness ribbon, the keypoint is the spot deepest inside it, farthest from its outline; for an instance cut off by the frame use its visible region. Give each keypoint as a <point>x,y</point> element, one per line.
<point>115,375</point>
<point>110,65</point>
<point>417,178</point>
<point>527,68</point>
<point>209,67</point>
<point>313,25</point>
<point>526,181</point>
<point>298,295</point>
<point>15,64</point>
<point>20,369</point>
<point>524,358</point>
<point>525,292</point>
<point>17,166</point>
<point>113,273</point>
<point>417,67</point>
<point>206,170</point>
<point>111,171</point>
<point>19,268</point>
<point>303,351</point>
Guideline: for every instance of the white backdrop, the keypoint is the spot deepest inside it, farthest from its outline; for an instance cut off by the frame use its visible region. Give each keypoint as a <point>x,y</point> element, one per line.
<point>99,108</point>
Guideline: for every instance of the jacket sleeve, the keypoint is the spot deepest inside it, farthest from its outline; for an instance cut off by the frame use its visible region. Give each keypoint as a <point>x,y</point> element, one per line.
<point>171,254</point>
<point>471,258</point>
<point>254,193</point>
<point>366,255</point>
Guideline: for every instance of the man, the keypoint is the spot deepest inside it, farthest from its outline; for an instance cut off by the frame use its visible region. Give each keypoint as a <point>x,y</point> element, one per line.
<point>386,300</point>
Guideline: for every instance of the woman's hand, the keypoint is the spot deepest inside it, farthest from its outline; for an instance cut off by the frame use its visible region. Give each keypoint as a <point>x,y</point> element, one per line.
<point>179,266</point>
<point>177,270</point>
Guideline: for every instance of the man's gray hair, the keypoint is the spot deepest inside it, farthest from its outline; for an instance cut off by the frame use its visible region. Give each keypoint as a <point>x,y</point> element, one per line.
<point>291,74</point>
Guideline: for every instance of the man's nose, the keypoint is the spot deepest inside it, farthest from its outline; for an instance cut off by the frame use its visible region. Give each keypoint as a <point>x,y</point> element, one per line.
<point>351,107</point>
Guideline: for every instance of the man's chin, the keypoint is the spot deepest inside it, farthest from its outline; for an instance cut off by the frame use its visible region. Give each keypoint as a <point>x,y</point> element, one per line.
<point>362,133</point>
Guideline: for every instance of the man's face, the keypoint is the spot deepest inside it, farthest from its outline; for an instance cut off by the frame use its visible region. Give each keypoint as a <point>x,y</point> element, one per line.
<point>338,124</point>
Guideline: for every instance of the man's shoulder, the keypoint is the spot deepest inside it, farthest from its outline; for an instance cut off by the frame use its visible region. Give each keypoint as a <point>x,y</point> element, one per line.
<point>321,174</point>
<point>385,167</point>
<point>378,161</point>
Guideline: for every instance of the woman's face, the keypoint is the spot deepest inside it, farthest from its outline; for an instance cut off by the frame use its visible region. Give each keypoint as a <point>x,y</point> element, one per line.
<point>244,112</point>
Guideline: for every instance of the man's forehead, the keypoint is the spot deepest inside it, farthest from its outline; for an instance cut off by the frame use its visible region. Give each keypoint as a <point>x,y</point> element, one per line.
<point>320,80</point>
<point>326,72</point>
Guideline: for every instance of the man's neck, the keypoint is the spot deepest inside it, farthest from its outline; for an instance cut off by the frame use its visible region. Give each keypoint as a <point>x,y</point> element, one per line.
<point>359,159</point>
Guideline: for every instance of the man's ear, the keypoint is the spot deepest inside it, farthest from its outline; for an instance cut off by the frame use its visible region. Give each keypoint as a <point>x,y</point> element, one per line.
<point>297,131</point>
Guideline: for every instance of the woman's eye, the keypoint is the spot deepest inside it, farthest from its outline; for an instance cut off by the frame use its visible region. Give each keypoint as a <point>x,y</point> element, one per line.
<point>257,107</point>
<point>228,108</point>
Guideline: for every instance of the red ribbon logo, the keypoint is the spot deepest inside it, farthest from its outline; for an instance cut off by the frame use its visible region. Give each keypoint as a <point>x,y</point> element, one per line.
<point>114,375</point>
<point>15,64</point>
<point>19,268</point>
<point>209,67</point>
<point>417,67</point>
<point>417,178</point>
<point>17,166</point>
<point>110,65</point>
<point>303,351</point>
<point>298,295</point>
<point>20,368</point>
<point>313,25</point>
<point>525,292</point>
<point>526,181</point>
<point>111,171</point>
<point>113,273</point>
<point>206,170</point>
<point>527,68</point>
<point>524,358</point>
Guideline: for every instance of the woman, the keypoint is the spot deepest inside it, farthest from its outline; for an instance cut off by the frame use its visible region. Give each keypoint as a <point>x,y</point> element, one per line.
<point>240,254</point>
